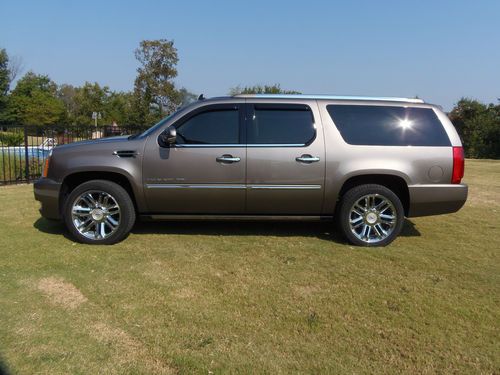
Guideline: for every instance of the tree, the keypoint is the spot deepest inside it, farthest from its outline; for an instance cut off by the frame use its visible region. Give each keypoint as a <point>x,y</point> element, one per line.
<point>35,101</point>
<point>119,108</point>
<point>186,97</point>
<point>479,127</point>
<point>155,94</point>
<point>67,94</point>
<point>80,102</point>
<point>259,89</point>
<point>4,80</point>
<point>89,98</point>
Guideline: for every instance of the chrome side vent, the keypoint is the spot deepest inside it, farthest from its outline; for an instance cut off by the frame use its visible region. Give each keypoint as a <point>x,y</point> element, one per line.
<point>125,153</point>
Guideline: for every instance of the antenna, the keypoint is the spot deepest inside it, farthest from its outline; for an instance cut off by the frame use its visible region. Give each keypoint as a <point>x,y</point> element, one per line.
<point>201,97</point>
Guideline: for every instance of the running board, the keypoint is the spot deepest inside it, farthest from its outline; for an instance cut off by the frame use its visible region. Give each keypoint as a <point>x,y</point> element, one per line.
<point>237,217</point>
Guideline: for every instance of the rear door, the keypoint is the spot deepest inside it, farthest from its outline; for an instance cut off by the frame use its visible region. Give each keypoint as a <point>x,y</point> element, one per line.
<point>204,172</point>
<point>285,158</point>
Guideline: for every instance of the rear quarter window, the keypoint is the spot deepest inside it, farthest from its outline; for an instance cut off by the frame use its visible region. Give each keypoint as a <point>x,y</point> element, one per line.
<point>388,126</point>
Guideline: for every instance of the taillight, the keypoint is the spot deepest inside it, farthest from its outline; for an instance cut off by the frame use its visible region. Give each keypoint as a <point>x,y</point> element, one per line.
<point>458,165</point>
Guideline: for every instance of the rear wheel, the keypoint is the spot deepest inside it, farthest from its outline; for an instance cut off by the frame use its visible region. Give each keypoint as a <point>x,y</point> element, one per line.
<point>99,212</point>
<point>371,215</point>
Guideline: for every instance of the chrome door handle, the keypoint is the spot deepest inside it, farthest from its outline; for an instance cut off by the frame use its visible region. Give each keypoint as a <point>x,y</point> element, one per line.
<point>227,159</point>
<point>307,159</point>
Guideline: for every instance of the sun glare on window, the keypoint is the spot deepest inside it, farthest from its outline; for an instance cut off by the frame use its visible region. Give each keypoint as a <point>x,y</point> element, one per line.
<point>405,124</point>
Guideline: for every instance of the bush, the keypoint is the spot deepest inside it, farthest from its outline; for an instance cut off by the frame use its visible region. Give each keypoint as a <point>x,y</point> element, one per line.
<point>479,127</point>
<point>11,139</point>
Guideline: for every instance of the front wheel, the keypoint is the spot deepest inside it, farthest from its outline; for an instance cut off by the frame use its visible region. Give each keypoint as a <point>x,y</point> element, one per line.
<point>371,215</point>
<point>99,212</point>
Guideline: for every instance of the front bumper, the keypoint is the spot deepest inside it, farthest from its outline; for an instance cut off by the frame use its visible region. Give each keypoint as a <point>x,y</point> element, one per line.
<point>47,192</point>
<point>440,199</point>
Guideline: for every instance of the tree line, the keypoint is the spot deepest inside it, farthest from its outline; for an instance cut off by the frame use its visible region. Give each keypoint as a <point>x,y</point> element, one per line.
<point>37,100</point>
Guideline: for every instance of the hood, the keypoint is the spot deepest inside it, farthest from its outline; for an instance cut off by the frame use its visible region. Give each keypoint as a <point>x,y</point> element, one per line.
<point>109,140</point>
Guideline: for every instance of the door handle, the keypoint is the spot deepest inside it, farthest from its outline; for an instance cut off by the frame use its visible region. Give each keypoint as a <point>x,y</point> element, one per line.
<point>227,159</point>
<point>306,158</point>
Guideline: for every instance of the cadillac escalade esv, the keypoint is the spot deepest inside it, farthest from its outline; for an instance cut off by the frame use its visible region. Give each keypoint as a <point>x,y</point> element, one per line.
<point>365,163</point>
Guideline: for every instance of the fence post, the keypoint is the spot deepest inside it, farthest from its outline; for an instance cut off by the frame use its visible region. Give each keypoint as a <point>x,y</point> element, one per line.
<point>26,156</point>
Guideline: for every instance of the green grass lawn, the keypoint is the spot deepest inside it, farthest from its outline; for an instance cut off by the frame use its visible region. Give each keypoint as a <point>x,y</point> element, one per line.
<point>253,297</point>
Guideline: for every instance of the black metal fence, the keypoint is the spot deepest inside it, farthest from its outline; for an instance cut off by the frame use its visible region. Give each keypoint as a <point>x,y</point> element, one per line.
<point>24,148</point>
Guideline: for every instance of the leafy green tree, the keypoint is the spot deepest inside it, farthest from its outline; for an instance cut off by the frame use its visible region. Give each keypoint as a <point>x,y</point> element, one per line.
<point>67,94</point>
<point>155,94</point>
<point>259,89</point>
<point>4,80</point>
<point>81,102</point>
<point>478,125</point>
<point>89,98</point>
<point>34,101</point>
<point>119,108</point>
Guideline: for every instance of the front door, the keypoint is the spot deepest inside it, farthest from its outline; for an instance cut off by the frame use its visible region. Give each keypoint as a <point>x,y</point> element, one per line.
<point>285,159</point>
<point>204,172</point>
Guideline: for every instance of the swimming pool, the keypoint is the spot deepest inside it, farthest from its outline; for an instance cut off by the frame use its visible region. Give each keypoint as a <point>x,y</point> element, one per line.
<point>19,151</point>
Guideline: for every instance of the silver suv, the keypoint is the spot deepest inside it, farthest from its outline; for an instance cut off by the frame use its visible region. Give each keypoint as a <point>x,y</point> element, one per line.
<point>362,162</point>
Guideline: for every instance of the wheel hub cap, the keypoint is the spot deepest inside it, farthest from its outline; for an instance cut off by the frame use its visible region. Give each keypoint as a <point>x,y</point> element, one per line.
<point>371,218</point>
<point>97,214</point>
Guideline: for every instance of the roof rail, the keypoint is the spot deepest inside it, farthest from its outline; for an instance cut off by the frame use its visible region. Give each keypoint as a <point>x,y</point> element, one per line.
<point>330,97</point>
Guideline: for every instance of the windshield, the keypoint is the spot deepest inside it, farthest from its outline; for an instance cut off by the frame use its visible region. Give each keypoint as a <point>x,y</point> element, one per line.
<point>161,123</point>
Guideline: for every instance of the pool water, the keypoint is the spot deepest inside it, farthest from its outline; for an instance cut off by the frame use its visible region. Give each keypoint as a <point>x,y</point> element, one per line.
<point>33,152</point>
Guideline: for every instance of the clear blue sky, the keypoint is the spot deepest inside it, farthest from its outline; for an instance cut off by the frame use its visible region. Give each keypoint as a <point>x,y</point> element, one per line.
<point>440,50</point>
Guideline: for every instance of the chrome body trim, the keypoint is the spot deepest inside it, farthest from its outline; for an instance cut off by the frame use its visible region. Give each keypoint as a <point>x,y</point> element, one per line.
<point>126,153</point>
<point>285,187</point>
<point>194,186</point>
<point>276,145</point>
<point>226,186</point>
<point>242,145</point>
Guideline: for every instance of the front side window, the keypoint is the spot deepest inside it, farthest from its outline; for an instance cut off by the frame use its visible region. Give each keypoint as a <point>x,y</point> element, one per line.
<point>213,126</point>
<point>280,124</point>
<point>388,125</point>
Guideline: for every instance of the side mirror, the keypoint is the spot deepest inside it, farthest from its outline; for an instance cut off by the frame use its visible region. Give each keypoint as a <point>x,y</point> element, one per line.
<point>168,136</point>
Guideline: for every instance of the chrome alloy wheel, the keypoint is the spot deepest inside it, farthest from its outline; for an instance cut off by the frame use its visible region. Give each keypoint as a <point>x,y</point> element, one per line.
<point>95,214</point>
<point>372,218</point>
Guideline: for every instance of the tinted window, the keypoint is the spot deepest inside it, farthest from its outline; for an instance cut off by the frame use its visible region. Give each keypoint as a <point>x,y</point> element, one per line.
<point>388,126</point>
<point>211,127</point>
<point>288,124</point>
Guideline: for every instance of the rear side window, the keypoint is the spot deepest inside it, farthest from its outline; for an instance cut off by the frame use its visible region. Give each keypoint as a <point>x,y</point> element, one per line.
<point>210,127</point>
<point>280,124</point>
<point>388,126</point>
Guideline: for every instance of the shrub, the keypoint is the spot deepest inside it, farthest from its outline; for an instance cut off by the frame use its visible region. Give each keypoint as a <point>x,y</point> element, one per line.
<point>11,139</point>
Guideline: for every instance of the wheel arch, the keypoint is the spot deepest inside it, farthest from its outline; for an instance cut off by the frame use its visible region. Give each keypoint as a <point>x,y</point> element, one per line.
<point>395,183</point>
<point>71,181</point>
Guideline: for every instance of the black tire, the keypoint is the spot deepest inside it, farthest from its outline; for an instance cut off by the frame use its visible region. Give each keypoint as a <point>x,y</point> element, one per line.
<point>126,212</point>
<point>348,215</point>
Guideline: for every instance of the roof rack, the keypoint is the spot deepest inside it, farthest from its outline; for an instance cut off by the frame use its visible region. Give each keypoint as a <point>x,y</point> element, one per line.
<point>330,97</point>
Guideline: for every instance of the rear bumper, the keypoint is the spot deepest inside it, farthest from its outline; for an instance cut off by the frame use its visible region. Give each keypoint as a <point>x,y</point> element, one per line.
<point>428,200</point>
<point>47,193</point>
